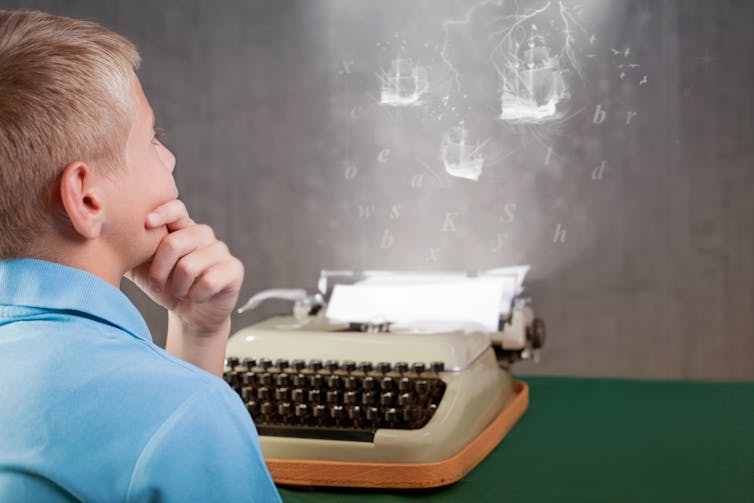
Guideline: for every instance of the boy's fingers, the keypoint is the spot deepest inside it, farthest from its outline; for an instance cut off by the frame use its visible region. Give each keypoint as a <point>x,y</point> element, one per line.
<point>216,279</point>
<point>173,214</point>
<point>193,265</point>
<point>174,246</point>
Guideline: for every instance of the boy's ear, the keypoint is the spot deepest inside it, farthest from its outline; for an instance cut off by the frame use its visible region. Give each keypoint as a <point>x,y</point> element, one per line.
<point>79,195</point>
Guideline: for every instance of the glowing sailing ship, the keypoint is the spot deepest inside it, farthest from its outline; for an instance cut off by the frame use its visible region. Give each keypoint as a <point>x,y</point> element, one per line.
<point>461,158</point>
<point>404,84</point>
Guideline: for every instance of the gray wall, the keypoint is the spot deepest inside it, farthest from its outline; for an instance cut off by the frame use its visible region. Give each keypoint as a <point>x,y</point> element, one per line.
<point>272,110</point>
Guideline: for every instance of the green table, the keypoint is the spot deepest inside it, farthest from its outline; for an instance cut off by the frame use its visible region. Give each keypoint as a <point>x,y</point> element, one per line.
<point>606,440</point>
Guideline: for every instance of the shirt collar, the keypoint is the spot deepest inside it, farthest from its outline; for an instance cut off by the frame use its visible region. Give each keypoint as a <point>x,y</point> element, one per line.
<point>48,285</point>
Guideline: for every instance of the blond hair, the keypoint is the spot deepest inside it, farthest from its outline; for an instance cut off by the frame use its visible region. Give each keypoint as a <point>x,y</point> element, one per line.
<point>65,95</point>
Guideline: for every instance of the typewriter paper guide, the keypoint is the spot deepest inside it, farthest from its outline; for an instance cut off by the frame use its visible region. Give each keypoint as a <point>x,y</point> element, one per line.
<point>422,300</point>
<point>286,337</point>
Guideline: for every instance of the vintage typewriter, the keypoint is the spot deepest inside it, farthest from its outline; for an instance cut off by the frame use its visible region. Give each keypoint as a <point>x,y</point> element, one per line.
<point>375,404</point>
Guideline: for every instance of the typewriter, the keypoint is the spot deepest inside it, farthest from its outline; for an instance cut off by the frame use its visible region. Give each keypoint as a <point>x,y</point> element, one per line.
<point>374,403</point>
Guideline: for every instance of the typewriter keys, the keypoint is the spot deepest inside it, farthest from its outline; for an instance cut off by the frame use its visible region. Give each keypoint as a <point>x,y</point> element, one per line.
<point>336,400</point>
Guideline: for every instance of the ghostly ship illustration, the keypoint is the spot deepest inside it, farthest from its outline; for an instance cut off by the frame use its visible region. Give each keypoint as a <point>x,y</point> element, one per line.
<point>533,85</point>
<point>404,84</point>
<point>459,157</point>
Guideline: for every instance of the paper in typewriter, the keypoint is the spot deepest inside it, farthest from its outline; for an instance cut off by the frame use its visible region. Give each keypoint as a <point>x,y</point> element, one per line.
<point>428,300</point>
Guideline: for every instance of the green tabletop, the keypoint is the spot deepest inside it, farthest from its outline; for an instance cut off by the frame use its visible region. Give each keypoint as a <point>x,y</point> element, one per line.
<point>606,440</point>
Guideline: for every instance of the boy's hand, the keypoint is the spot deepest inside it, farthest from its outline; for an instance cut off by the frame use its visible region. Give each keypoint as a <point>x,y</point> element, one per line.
<point>192,273</point>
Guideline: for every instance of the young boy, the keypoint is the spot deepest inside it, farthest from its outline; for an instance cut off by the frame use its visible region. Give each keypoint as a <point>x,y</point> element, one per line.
<point>90,408</point>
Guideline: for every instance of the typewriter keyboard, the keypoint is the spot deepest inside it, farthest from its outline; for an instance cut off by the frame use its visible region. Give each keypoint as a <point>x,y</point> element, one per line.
<point>335,400</point>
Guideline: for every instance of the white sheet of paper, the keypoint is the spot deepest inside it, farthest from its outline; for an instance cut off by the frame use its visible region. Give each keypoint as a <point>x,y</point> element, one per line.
<point>423,298</point>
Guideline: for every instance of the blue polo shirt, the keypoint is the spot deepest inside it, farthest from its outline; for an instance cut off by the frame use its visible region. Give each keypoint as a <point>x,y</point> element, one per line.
<point>92,410</point>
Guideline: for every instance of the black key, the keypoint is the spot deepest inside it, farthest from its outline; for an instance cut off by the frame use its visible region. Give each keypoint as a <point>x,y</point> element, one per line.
<point>264,393</point>
<point>387,384</point>
<point>422,386</point>
<point>302,410</point>
<point>315,365</point>
<point>265,379</point>
<point>404,385</point>
<point>247,393</point>
<point>315,396</point>
<point>372,413</point>
<point>391,415</point>
<point>351,398</point>
<point>316,380</point>
<point>437,366</point>
<point>299,364</point>
<point>401,367</point>
<point>266,408</point>
<point>282,394</point>
<point>282,380</point>
<point>333,397</point>
<point>285,409</point>
<point>349,366</point>
<point>369,383</point>
<point>337,412</point>
<point>411,414</point>
<point>350,382</point>
<point>386,399</point>
<point>405,399</point>
<point>355,413</point>
<point>252,407</point>
<point>299,380</point>
<point>248,363</point>
<point>382,367</point>
<point>298,395</point>
<point>369,398</point>
<point>365,367</point>
<point>249,378</point>
<point>231,362</point>
<point>418,367</point>
<point>331,365</point>
<point>334,382</point>
<point>265,363</point>
<point>281,364</point>
<point>319,411</point>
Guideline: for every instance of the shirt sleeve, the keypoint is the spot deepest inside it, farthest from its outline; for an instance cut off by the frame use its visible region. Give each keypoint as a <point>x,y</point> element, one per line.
<point>207,450</point>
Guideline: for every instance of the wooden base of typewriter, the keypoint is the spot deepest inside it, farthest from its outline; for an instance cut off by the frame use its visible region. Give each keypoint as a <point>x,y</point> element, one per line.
<point>405,476</point>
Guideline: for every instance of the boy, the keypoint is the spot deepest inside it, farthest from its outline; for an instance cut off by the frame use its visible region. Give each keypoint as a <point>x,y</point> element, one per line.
<point>92,409</point>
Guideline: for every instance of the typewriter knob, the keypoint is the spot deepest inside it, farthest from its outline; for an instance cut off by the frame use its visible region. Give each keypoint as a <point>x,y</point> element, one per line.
<point>252,407</point>
<point>536,333</point>
<point>382,367</point>
<point>351,398</point>
<point>350,382</point>
<point>231,362</point>
<point>401,367</point>
<point>299,380</point>
<point>333,397</point>
<point>265,379</point>
<point>249,378</point>
<point>438,367</point>
<point>405,399</point>
<point>281,364</point>
<point>265,363</point>
<point>266,408</point>
<point>334,381</point>
<point>331,365</point>
<point>422,386</point>
<point>282,394</point>
<point>249,363</point>
<point>263,393</point>
<point>349,366</point>
<point>315,365</point>
<point>418,367</point>
<point>354,413</point>
<point>299,364</point>
<point>316,380</point>
<point>315,396</point>
<point>386,399</point>
<point>373,413</point>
